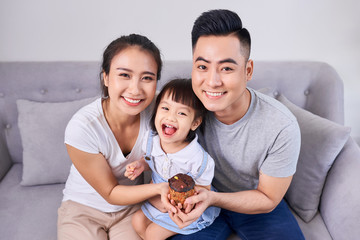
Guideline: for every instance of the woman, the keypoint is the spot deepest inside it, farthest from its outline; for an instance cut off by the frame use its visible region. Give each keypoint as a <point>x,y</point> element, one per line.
<point>103,137</point>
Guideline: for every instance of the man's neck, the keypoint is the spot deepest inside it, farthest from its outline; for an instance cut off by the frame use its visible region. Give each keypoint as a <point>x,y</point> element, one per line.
<point>235,112</point>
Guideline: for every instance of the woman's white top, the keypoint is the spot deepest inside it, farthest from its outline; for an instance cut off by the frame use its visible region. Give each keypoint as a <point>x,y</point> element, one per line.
<point>89,132</point>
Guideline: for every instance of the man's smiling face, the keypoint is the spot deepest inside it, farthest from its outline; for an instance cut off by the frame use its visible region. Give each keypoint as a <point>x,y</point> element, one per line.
<point>220,74</point>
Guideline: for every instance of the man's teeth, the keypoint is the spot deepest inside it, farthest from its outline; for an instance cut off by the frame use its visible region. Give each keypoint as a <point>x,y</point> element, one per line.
<point>132,100</point>
<point>214,94</point>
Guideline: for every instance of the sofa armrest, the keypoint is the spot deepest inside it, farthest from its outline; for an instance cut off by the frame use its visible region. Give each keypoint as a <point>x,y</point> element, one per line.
<point>5,160</point>
<point>340,200</point>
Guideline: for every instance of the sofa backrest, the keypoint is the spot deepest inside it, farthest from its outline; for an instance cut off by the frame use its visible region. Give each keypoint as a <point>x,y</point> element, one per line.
<point>313,86</point>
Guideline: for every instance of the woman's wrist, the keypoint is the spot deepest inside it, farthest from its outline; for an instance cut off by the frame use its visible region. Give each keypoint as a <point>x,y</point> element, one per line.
<point>161,187</point>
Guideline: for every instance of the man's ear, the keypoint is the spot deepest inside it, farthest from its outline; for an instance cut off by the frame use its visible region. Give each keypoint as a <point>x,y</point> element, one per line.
<point>249,69</point>
<point>196,123</point>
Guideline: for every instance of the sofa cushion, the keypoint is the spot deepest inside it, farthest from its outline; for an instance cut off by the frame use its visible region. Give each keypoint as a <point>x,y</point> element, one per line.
<point>42,126</point>
<point>321,142</point>
<point>5,161</point>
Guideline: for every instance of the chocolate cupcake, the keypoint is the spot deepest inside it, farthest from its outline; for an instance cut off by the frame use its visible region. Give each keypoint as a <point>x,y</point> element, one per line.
<point>181,186</point>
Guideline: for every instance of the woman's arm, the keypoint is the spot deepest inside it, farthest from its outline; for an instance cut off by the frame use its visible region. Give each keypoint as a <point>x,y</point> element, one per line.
<point>96,171</point>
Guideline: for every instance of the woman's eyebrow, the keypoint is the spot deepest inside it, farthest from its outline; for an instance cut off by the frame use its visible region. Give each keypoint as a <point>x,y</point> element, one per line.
<point>124,69</point>
<point>129,70</point>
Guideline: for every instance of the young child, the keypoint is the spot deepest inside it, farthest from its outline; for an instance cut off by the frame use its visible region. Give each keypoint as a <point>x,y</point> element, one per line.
<point>172,148</point>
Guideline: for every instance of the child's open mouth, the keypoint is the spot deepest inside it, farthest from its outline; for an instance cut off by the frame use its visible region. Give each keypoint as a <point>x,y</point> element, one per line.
<point>168,129</point>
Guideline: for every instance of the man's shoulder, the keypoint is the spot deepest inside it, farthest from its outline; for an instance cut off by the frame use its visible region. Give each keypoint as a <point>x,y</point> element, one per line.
<point>272,108</point>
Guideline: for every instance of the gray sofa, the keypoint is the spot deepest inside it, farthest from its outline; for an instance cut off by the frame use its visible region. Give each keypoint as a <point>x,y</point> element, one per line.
<point>323,196</point>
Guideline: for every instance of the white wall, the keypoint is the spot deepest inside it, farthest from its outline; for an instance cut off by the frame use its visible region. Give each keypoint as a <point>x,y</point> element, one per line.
<point>77,30</point>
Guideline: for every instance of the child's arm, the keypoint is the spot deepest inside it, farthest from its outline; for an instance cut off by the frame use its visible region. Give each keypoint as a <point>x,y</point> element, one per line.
<point>134,169</point>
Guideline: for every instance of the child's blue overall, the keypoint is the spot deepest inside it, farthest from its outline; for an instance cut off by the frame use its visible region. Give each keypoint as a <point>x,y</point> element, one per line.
<point>163,219</point>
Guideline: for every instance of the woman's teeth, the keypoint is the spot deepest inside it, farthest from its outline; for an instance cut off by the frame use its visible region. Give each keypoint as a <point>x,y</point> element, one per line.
<point>132,100</point>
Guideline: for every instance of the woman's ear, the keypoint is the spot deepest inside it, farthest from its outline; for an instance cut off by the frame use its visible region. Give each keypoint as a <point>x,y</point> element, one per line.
<point>106,79</point>
<point>196,123</point>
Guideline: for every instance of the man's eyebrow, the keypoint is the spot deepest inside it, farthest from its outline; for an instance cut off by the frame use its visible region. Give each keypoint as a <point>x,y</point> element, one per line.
<point>228,60</point>
<point>202,59</point>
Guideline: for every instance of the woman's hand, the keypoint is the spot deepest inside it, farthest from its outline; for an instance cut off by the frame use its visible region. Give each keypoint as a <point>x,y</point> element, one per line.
<point>165,197</point>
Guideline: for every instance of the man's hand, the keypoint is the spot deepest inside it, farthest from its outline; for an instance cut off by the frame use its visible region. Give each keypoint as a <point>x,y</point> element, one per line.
<point>134,169</point>
<point>202,200</point>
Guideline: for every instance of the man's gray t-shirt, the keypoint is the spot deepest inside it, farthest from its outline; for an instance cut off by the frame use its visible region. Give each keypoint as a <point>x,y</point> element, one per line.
<point>266,139</point>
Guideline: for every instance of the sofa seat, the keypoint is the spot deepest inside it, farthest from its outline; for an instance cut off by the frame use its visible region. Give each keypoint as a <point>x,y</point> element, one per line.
<point>45,200</point>
<point>35,208</point>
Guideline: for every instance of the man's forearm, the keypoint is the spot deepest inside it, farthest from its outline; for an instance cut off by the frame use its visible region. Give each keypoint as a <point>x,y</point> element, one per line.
<point>248,202</point>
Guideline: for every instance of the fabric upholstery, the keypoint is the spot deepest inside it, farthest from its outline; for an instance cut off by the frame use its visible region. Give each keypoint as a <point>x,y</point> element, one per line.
<point>42,127</point>
<point>41,82</point>
<point>28,212</point>
<point>340,202</point>
<point>321,142</point>
<point>5,161</point>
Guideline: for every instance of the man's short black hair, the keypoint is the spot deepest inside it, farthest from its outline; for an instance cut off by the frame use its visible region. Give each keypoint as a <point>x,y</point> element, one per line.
<point>221,22</point>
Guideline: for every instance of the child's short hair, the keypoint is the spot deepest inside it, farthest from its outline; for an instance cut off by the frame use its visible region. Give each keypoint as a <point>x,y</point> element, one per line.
<point>181,91</point>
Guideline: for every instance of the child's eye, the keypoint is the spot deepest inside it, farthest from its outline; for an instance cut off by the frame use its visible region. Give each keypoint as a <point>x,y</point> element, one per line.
<point>165,108</point>
<point>182,113</point>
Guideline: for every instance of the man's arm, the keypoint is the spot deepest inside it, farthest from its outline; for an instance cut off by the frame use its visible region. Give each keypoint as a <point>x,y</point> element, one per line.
<point>264,199</point>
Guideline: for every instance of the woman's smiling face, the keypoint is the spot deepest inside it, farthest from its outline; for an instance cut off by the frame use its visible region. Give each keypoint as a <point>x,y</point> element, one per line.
<point>131,80</point>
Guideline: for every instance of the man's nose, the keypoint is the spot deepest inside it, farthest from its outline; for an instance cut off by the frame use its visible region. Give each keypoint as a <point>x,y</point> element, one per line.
<point>214,79</point>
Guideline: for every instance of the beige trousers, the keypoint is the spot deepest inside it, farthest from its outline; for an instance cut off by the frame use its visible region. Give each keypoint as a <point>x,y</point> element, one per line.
<point>79,222</point>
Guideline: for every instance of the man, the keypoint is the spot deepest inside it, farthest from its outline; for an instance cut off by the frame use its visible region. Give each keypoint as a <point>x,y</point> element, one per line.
<point>254,140</point>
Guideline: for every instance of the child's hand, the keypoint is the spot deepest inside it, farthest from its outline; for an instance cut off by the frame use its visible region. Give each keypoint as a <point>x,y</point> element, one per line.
<point>186,208</point>
<point>134,169</point>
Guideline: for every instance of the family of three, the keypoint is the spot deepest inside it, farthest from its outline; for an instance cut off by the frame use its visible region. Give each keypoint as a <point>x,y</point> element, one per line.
<point>240,146</point>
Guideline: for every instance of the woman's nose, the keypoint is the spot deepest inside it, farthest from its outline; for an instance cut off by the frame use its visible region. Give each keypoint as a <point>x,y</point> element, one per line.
<point>134,87</point>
